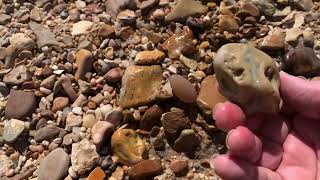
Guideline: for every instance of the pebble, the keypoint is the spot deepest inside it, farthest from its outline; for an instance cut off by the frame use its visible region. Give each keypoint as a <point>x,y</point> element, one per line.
<point>117,174</point>
<point>83,156</point>
<point>22,42</point>
<point>147,5</point>
<point>228,23</point>
<point>35,14</point>
<point>114,117</point>
<point>149,57</point>
<point>12,130</point>
<point>174,122</point>
<point>67,86</point>
<point>179,167</point>
<point>293,34</point>
<point>304,5</point>
<point>185,9</point>
<point>73,120</point>
<point>183,89</point>
<point>20,104</point>
<point>106,31</point>
<point>113,7</point>
<point>4,19</point>
<point>101,131</point>
<point>5,164</point>
<point>74,15</point>
<point>275,40</point>
<point>113,75</point>
<point>265,7</point>
<point>188,141</point>
<point>17,75</point>
<point>146,169</point>
<point>59,103</point>
<point>140,85</point>
<point>84,62</point>
<point>209,95</point>
<point>54,166</point>
<point>46,133</point>
<point>151,118</point>
<point>48,82</point>
<point>128,146</point>
<point>97,174</point>
<point>45,37</point>
<point>89,120</point>
<point>248,9</point>
<point>189,63</point>
<point>81,27</point>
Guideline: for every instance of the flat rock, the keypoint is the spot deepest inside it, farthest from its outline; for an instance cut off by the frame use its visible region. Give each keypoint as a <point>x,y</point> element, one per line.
<point>128,146</point>
<point>149,57</point>
<point>20,104</point>
<point>151,118</point>
<point>275,40</point>
<point>187,141</point>
<point>12,129</point>
<point>45,37</point>
<point>59,103</point>
<point>97,174</point>
<point>183,89</point>
<point>46,133</point>
<point>186,8</point>
<point>5,164</point>
<point>83,156</point>
<point>54,166</point>
<point>22,42</point>
<point>209,94</point>
<point>140,85</point>
<point>174,122</point>
<point>81,27</point>
<point>146,169</point>
<point>188,62</point>
<point>17,75</point>
<point>84,60</point>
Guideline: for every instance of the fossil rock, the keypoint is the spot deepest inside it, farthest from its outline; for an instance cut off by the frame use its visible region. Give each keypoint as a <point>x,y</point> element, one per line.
<point>249,78</point>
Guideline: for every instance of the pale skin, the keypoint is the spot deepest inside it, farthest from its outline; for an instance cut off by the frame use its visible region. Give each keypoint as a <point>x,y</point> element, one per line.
<point>285,146</point>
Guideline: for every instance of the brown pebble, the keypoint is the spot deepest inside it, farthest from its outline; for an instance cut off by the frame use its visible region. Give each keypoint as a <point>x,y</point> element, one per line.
<point>146,169</point>
<point>179,167</point>
<point>113,75</point>
<point>183,89</point>
<point>59,103</point>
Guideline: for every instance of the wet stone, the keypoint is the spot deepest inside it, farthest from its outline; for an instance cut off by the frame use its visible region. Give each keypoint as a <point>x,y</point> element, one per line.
<point>146,169</point>
<point>20,104</point>
<point>183,89</point>
<point>186,8</point>
<point>151,118</point>
<point>45,37</point>
<point>128,146</point>
<point>174,122</point>
<point>12,129</point>
<point>54,166</point>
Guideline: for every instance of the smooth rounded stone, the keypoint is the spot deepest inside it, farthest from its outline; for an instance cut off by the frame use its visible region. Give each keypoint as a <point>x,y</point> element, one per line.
<point>83,156</point>
<point>81,27</point>
<point>128,146</point>
<point>183,89</point>
<point>20,104</point>
<point>101,131</point>
<point>186,8</point>
<point>249,78</point>
<point>146,169</point>
<point>54,166</point>
<point>151,118</point>
<point>49,82</point>
<point>74,15</point>
<point>209,95</point>
<point>228,23</point>
<point>46,133</point>
<point>97,174</point>
<point>22,42</point>
<point>274,40</point>
<point>113,75</point>
<point>188,141</point>
<point>65,81</point>
<point>44,36</point>
<point>17,75</point>
<point>59,103</point>
<point>106,31</point>
<point>73,120</point>
<point>114,117</point>
<point>84,60</point>
<point>174,122</point>
<point>247,9</point>
<point>5,164</point>
<point>301,61</point>
<point>89,120</point>
<point>180,44</point>
<point>149,57</point>
<point>179,167</point>
<point>12,129</point>
<point>140,85</point>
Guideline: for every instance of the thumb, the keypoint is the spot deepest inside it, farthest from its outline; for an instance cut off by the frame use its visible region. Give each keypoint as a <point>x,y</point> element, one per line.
<point>300,94</point>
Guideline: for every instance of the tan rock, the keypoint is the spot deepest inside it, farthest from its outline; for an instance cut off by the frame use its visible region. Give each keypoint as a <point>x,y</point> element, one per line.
<point>89,120</point>
<point>293,34</point>
<point>209,95</point>
<point>59,103</point>
<point>140,85</point>
<point>100,131</point>
<point>149,57</point>
<point>106,31</point>
<point>249,77</point>
<point>128,146</point>
<point>146,169</point>
<point>84,62</point>
<point>228,23</point>
<point>275,40</point>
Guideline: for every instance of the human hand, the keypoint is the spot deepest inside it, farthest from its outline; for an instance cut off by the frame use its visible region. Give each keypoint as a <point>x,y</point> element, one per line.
<point>285,146</point>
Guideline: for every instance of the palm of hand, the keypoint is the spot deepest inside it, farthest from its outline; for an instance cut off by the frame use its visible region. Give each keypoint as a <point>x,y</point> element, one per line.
<point>279,147</point>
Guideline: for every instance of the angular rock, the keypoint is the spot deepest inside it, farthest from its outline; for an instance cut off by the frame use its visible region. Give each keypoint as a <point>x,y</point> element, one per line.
<point>35,14</point>
<point>190,63</point>
<point>59,103</point>
<point>46,133</point>
<point>48,82</point>
<point>186,8</point>
<point>84,60</point>
<point>126,17</point>
<point>180,43</point>
<point>293,34</point>
<point>209,95</point>
<point>249,78</point>
<point>187,141</point>
<point>174,122</point>
<point>228,23</point>
<point>45,37</point>
<point>54,166</point>
<point>4,19</point>
<point>265,7</point>
<point>97,174</point>
<point>146,169</point>
<point>5,164</point>
<point>113,7</point>
<point>149,57</point>
<point>247,9</point>
<point>73,120</point>
<point>183,89</point>
<point>151,118</point>
<point>12,129</point>
<point>275,40</point>
<point>81,27</point>
<point>21,42</point>
<point>179,167</point>
<point>147,5</point>
<point>20,104</point>
<point>101,131</point>
<point>140,85</point>
<point>128,146</point>
<point>83,156</point>
<point>65,81</point>
<point>301,62</point>
<point>106,31</point>
<point>17,75</point>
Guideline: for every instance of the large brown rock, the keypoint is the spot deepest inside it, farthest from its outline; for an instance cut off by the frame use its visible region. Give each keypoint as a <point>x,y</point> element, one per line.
<point>84,60</point>
<point>140,85</point>
<point>20,104</point>
<point>174,122</point>
<point>249,78</point>
<point>146,169</point>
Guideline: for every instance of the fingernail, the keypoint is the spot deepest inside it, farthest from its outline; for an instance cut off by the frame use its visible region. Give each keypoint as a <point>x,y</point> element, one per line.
<point>227,138</point>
